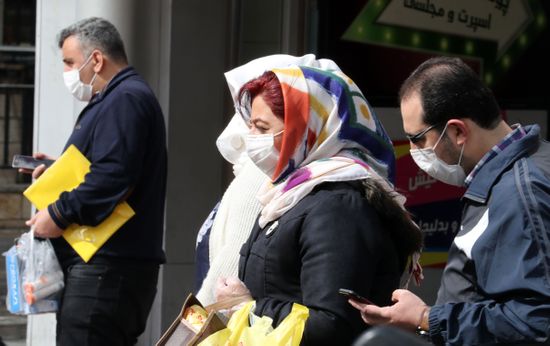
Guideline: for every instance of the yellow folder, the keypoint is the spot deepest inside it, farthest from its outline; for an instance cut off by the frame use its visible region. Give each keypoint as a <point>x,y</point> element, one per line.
<point>65,174</point>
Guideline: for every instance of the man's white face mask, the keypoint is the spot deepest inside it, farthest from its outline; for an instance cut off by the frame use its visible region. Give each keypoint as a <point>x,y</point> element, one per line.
<point>428,161</point>
<point>81,91</point>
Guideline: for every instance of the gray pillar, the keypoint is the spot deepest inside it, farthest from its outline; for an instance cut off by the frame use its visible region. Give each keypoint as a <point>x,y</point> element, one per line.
<point>198,51</point>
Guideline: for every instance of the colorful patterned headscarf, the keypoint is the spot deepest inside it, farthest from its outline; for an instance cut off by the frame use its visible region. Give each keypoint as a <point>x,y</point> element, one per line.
<point>326,112</point>
<point>330,134</point>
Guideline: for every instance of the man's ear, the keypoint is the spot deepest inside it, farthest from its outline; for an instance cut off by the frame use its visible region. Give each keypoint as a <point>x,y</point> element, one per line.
<point>98,60</point>
<point>459,130</point>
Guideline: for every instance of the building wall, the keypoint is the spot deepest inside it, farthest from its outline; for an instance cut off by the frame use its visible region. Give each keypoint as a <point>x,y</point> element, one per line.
<point>196,101</point>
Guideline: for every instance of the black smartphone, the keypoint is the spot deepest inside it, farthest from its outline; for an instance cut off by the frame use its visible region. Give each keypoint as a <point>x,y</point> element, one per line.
<point>29,162</point>
<point>355,296</point>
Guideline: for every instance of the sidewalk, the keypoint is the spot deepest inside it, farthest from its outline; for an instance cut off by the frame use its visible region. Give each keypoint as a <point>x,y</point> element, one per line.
<point>13,330</point>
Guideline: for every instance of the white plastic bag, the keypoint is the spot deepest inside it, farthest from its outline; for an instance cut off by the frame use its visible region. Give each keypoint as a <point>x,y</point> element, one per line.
<point>34,276</point>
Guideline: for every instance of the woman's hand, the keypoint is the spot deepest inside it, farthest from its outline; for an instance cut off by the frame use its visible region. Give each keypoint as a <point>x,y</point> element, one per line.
<point>231,294</point>
<point>229,288</point>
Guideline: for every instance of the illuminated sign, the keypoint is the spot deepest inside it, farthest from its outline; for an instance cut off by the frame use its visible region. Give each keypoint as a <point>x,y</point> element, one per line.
<point>496,32</point>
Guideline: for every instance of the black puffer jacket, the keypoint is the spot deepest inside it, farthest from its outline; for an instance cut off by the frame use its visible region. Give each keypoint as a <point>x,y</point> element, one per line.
<point>331,239</point>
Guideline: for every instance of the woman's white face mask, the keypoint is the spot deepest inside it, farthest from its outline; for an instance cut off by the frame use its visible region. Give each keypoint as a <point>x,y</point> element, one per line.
<point>428,161</point>
<point>81,91</point>
<point>261,150</point>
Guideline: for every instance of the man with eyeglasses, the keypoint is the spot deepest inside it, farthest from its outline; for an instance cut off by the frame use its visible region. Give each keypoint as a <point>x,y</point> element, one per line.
<point>496,285</point>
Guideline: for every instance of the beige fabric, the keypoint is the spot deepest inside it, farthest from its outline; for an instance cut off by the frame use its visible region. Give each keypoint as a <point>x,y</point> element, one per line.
<point>236,216</point>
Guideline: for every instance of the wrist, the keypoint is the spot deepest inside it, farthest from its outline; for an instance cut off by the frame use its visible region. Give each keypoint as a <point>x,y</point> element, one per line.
<point>56,216</point>
<point>424,319</point>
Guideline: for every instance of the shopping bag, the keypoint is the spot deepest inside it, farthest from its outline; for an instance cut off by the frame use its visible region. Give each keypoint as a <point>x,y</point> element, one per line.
<point>192,325</point>
<point>65,174</point>
<point>241,332</point>
<point>34,276</point>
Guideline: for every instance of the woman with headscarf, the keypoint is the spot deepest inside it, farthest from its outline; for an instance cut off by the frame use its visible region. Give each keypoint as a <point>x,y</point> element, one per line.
<point>330,217</point>
<point>230,223</point>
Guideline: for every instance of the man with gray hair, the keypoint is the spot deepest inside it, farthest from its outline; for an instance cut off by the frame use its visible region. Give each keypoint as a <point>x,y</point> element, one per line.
<point>122,133</point>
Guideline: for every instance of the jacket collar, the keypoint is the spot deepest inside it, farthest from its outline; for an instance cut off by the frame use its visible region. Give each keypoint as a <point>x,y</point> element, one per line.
<point>123,74</point>
<point>480,187</point>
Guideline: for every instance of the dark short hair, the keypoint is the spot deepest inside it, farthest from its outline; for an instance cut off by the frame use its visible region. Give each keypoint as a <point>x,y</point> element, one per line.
<point>449,89</point>
<point>96,33</point>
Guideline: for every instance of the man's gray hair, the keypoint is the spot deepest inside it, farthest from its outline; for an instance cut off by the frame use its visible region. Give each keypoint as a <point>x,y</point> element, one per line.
<point>96,33</point>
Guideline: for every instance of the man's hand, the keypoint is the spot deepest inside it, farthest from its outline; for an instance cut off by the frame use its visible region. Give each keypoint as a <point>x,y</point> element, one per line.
<point>407,312</point>
<point>44,227</point>
<point>37,172</point>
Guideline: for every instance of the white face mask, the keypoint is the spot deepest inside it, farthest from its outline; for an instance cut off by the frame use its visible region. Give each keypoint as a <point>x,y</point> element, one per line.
<point>262,152</point>
<point>428,161</point>
<point>80,91</point>
<point>231,142</point>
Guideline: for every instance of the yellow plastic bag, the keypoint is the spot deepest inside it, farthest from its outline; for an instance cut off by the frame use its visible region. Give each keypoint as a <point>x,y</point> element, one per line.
<point>240,333</point>
<point>65,174</point>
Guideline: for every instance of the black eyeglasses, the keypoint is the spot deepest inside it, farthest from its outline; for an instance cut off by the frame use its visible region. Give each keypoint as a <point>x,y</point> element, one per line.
<point>417,137</point>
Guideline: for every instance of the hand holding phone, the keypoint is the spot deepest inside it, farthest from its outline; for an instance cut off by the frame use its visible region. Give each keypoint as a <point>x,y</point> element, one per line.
<point>350,294</point>
<point>29,162</point>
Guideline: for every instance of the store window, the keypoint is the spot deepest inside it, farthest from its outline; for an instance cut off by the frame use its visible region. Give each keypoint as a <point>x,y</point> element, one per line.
<point>17,54</point>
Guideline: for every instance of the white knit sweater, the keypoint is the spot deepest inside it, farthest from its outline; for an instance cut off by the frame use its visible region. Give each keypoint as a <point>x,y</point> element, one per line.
<point>236,215</point>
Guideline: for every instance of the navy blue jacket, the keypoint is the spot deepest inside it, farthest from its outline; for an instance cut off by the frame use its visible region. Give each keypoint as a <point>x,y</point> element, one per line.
<point>496,285</point>
<point>122,132</point>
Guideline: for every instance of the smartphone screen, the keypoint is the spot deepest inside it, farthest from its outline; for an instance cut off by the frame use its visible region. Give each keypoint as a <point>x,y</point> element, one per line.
<point>355,296</point>
<point>29,162</point>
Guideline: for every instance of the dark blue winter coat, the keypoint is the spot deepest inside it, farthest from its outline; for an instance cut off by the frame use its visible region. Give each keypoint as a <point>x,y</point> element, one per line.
<point>122,132</point>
